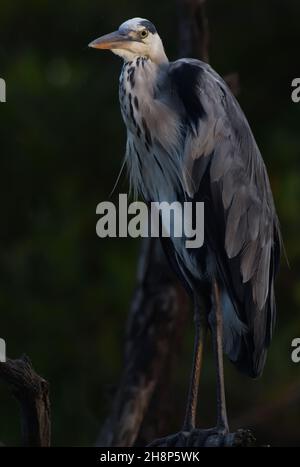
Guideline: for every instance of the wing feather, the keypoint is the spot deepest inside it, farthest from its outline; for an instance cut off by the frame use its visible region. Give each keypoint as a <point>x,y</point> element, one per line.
<point>222,164</point>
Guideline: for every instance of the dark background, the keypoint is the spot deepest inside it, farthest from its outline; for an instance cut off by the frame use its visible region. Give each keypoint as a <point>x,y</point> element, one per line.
<point>64,293</point>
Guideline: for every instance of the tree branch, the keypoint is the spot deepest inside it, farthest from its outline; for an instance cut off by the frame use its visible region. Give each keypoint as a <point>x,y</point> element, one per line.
<point>32,392</point>
<point>193,29</point>
<point>205,438</point>
<point>158,303</point>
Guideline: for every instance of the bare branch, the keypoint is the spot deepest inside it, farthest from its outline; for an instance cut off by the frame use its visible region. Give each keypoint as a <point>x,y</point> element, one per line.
<point>193,29</point>
<point>32,392</point>
<point>157,305</point>
<point>206,438</point>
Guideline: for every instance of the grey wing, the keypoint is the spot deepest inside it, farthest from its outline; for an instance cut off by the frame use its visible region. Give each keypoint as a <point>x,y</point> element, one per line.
<point>223,167</point>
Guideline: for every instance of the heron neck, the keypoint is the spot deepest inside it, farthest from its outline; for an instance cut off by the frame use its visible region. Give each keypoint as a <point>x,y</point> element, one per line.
<point>160,58</point>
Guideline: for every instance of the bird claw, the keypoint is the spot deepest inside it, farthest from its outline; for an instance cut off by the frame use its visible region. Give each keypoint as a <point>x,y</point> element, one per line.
<point>195,438</point>
<point>177,440</point>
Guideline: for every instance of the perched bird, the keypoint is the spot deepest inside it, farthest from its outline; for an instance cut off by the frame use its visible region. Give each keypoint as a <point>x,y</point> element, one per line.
<point>188,139</point>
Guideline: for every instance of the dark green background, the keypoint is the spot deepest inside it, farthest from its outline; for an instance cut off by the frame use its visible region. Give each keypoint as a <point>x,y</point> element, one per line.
<point>64,293</point>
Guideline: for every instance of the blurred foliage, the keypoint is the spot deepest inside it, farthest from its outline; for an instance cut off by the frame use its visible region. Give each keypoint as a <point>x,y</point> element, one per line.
<point>64,293</point>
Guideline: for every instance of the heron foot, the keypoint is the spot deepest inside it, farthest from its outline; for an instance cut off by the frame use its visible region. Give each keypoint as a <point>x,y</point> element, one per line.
<point>217,436</point>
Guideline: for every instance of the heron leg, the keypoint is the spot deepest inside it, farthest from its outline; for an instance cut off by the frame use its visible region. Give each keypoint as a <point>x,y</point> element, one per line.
<point>217,331</point>
<point>200,334</point>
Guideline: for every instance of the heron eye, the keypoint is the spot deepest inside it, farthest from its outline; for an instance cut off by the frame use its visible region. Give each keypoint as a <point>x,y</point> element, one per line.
<point>144,33</point>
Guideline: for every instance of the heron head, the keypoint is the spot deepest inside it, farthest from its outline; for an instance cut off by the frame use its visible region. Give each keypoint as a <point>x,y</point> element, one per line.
<point>135,38</point>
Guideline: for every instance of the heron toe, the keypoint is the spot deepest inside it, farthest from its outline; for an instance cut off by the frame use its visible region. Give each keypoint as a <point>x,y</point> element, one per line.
<point>215,437</point>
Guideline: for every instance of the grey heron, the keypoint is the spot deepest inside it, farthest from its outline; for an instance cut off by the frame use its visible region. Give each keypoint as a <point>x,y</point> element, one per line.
<point>187,138</point>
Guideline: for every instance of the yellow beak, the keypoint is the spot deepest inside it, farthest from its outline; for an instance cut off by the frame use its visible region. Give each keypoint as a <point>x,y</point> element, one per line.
<point>115,40</point>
